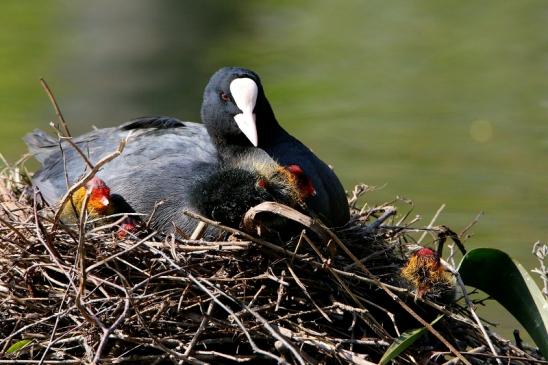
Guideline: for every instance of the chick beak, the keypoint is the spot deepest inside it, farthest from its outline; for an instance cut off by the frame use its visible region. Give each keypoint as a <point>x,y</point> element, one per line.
<point>244,92</point>
<point>104,201</point>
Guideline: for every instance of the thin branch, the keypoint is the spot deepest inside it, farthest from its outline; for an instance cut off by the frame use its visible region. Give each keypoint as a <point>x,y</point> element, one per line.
<point>89,175</point>
<point>114,325</point>
<point>73,144</point>
<point>475,316</point>
<point>55,106</point>
<point>431,224</point>
<point>200,329</point>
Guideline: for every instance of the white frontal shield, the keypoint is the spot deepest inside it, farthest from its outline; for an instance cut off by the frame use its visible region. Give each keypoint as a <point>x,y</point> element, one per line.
<point>244,92</point>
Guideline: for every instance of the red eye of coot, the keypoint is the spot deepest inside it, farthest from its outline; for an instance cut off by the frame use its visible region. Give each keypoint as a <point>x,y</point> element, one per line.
<point>224,96</point>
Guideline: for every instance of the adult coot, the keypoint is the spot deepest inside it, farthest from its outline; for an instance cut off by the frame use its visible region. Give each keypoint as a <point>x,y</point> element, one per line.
<point>239,117</point>
<point>162,150</point>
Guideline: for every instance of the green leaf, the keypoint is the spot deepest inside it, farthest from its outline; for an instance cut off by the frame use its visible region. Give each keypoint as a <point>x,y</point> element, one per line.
<point>403,342</point>
<point>504,279</point>
<point>19,345</point>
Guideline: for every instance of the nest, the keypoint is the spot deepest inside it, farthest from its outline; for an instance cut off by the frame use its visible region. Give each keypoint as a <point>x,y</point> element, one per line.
<point>77,294</point>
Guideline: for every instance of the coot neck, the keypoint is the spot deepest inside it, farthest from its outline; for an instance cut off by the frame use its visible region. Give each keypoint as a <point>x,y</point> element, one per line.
<point>231,147</point>
<point>227,151</point>
<point>269,133</point>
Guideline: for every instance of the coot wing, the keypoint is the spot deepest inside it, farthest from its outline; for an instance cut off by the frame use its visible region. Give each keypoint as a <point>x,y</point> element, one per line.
<point>153,139</point>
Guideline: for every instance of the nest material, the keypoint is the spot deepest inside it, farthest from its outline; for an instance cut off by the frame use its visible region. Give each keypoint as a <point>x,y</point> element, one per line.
<point>84,296</point>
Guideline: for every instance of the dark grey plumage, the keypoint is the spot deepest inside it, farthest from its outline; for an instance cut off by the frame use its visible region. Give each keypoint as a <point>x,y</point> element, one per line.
<point>241,184</point>
<point>162,160</point>
<point>149,176</point>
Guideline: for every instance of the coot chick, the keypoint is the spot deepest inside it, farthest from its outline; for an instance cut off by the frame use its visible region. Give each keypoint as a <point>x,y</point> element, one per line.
<point>426,274</point>
<point>249,180</point>
<point>238,117</point>
<point>99,201</point>
<point>101,204</point>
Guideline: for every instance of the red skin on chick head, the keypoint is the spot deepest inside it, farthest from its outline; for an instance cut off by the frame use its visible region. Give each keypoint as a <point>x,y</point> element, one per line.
<point>99,203</point>
<point>128,225</point>
<point>304,184</point>
<point>99,199</point>
<point>424,271</point>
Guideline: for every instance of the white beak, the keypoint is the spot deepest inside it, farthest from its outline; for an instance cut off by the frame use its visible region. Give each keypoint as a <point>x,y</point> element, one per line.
<point>244,91</point>
<point>105,201</point>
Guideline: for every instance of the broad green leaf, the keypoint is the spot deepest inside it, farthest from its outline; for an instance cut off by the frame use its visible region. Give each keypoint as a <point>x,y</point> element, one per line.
<point>19,345</point>
<point>504,279</point>
<point>403,342</point>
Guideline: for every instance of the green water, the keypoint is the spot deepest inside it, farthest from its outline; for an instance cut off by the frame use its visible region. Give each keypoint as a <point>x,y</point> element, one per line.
<point>440,102</point>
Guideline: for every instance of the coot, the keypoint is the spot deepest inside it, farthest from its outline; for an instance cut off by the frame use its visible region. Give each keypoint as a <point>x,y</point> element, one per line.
<point>166,156</point>
<point>239,117</point>
<point>99,201</point>
<point>101,204</point>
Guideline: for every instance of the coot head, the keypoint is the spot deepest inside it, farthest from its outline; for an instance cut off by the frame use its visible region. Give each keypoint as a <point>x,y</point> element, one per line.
<point>303,181</point>
<point>235,110</point>
<point>243,183</point>
<point>99,203</point>
<point>426,274</point>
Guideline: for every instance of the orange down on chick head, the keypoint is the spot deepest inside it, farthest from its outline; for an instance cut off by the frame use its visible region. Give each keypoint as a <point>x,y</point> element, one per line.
<point>302,181</point>
<point>426,274</point>
<point>99,203</point>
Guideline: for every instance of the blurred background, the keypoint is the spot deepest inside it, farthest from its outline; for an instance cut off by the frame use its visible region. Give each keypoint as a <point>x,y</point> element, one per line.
<point>438,102</point>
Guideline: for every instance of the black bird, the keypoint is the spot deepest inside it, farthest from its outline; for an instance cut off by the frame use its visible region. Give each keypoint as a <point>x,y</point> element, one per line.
<point>166,157</point>
<point>239,117</point>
